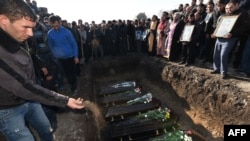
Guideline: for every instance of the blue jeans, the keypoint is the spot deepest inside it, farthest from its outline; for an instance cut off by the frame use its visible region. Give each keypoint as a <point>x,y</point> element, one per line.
<point>222,51</point>
<point>14,121</point>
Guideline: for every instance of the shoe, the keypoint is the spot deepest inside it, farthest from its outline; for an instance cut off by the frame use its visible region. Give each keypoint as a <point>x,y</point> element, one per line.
<point>182,62</point>
<point>237,70</point>
<point>54,137</point>
<point>224,76</point>
<point>204,61</point>
<point>215,72</point>
<point>187,64</point>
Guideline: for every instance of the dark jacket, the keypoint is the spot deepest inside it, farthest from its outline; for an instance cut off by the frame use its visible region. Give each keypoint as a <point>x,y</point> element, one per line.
<point>241,25</point>
<point>209,24</point>
<point>17,85</point>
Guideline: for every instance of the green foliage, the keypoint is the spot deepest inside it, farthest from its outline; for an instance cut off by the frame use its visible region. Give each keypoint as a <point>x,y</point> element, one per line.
<point>171,127</point>
<point>157,114</point>
<point>177,135</point>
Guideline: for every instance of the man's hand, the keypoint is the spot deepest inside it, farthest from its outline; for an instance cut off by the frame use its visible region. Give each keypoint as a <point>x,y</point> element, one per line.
<point>228,35</point>
<point>49,77</point>
<point>76,60</point>
<point>75,103</point>
<point>45,71</point>
<point>213,36</point>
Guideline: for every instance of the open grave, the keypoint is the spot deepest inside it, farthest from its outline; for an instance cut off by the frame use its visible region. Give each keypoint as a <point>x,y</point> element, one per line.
<point>199,102</point>
<point>202,103</point>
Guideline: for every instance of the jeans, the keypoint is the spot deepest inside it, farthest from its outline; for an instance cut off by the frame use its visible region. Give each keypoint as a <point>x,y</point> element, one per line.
<point>14,121</point>
<point>222,51</point>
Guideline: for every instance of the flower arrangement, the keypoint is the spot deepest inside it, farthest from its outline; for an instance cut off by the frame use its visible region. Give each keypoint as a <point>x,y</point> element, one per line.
<point>125,84</point>
<point>171,128</point>
<point>177,135</point>
<point>136,90</point>
<point>143,99</point>
<point>160,114</point>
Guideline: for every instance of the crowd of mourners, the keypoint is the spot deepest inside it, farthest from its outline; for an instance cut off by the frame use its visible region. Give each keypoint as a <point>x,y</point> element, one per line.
<point>161,36</point>
<point>53,40</point>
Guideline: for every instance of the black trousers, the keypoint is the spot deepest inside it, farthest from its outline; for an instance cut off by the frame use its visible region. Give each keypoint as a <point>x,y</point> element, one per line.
<point>188,53</point>
<point>69,68</point>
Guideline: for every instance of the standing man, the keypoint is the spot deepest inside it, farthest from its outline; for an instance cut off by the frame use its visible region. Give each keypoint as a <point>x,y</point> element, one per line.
<point>64,47</point>
<point>188,48</point>
<point>20,96</point>
<point>207,50</point>
<point>224,45</point>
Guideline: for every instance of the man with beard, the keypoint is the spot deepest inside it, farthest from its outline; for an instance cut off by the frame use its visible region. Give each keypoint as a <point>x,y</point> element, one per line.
<point>225,44</point>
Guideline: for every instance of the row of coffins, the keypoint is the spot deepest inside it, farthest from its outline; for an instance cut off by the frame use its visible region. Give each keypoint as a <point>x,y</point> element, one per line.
<point>135,115</point>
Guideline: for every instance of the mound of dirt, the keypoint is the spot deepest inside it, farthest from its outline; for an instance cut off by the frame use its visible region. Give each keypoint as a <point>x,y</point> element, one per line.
<point>213,102</point>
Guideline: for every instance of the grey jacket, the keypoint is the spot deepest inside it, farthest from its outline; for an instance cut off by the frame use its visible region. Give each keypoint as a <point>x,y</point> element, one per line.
<point>17,78</point>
